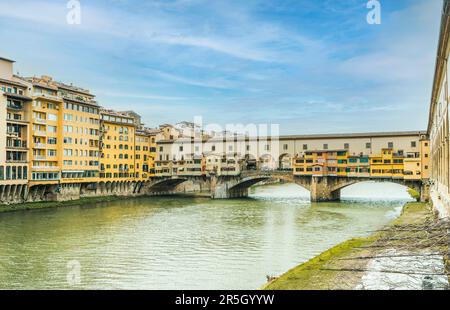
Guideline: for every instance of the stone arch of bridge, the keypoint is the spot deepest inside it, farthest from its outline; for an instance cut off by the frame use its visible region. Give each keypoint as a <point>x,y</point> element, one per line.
<point>248,182</point>
<point>165,185</point>
<point>416,185</point>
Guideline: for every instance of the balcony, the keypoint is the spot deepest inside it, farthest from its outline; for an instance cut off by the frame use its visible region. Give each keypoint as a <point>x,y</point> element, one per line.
<point>16,144</point>
<point>17,121</point>
<point>45,168</point>
<point>47,96</point>
<point>16,107</point>
<point>40,146</point>
<point>17,161</point>
<point>11,133</point>
<point>40,121</point>
<point>40,133</point>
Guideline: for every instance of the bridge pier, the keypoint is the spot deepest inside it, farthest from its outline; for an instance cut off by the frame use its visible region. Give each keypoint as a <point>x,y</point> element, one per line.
<point>322,189</point>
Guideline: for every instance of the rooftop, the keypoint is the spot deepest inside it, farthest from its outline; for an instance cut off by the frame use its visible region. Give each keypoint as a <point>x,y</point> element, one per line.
<point>74,88</point>
<point>15,83</point>
<point>308,137</point>
<point>6,59</point>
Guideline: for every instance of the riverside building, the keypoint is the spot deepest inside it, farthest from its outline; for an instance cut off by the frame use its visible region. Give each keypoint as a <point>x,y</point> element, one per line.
<point>438,125</point>
<point>14,134</point>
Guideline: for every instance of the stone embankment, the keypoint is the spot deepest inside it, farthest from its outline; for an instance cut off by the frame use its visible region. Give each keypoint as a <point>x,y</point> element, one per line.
<point>410,253</point>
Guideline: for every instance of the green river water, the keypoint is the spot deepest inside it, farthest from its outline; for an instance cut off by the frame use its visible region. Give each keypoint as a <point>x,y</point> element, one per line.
<point>185,243</point>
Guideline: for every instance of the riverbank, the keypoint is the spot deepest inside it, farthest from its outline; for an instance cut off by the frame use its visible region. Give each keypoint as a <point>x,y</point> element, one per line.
<point>86,201</point>
<point>409,253</point>
<point>58,204</point>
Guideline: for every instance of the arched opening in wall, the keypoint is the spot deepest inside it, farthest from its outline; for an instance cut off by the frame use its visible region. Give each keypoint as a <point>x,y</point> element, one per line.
<point>382,191</point>
<point>267,163</point>
<point>285,162</point>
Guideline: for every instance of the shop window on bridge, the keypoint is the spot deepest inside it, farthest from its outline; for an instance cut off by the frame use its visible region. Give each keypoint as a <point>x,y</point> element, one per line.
<point>353,160</point>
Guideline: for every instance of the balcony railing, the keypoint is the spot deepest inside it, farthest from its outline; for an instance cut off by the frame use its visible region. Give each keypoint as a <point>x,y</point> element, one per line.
<point>40,121</point>
<point>15,107</point>
<point>40,145</point>
<point>17,144</point>
<point>53,97</point>
<point>17,160</point>
<point>45,168</point>
<point>39,157</point>
<point>12,133</point>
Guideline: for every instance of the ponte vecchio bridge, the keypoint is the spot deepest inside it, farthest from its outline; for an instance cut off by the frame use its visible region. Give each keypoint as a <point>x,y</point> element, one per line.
<point>322,164</point>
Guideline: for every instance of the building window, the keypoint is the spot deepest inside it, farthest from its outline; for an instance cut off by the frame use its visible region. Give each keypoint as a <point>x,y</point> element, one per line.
<point>390,145</point>
<point>368,145</point>
<point>52,117</point>
<point>325,146</point>
<point>305,146</point>
<point>346,146</point>
<point>285,147</point>
<point>413,144</point>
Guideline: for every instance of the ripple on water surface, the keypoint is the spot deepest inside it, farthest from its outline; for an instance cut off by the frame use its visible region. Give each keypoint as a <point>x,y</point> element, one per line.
<point>182,243</point>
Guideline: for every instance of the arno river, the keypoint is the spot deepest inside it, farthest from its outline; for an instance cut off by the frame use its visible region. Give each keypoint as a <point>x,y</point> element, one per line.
<point>185,243</point>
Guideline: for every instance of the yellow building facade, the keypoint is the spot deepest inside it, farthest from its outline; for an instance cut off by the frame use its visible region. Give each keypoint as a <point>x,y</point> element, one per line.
<point>117,147</point>
<point>145,154</point>
<point>80,122</point>
<point>45,166</point>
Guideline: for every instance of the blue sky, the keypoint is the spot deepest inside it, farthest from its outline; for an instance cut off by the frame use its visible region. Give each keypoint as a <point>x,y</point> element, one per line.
<point>311,66</point>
